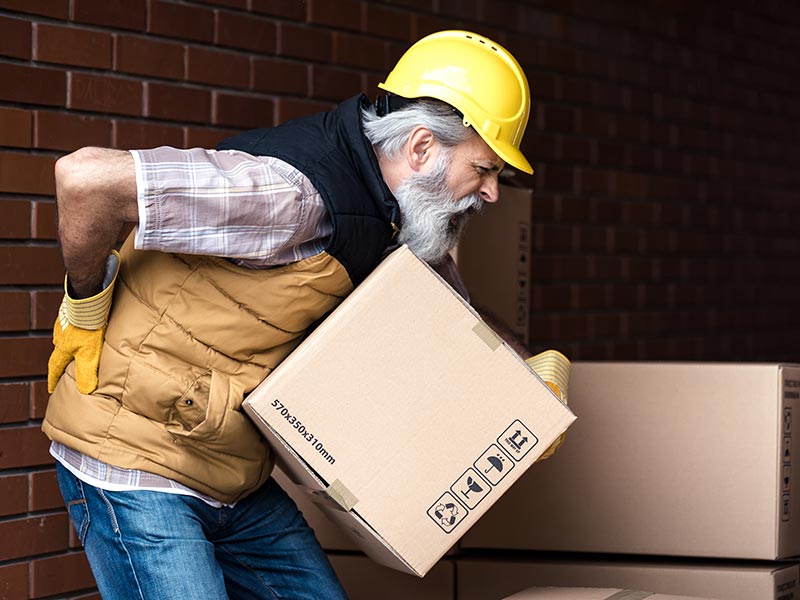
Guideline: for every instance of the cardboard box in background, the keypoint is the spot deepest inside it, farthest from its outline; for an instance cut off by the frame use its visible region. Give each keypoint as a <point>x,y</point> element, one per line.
<point>489,580</point>
<point>682,459</point>
<point>404,416</point>
<point>494,258</point>
<point>572,593</point>
<point>363,579</point>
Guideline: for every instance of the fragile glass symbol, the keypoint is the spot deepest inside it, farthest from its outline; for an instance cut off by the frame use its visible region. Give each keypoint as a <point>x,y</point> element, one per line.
<point>472,486</point>
<point>446,513</point>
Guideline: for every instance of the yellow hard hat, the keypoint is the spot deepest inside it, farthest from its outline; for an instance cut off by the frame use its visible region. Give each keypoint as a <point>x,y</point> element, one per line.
<point>474,75</point>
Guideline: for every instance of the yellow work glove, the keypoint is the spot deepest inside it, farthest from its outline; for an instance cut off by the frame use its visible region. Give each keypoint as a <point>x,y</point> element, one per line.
<point>79,331</point>
<point>554,368</point>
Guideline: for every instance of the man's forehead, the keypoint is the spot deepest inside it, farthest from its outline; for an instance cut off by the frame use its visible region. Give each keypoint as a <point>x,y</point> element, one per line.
<point>479,151</point>
<point>496,164</point>
<point>489,160</point>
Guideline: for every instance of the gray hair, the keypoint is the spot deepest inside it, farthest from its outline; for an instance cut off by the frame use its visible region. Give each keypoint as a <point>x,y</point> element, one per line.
<point>388,134</point>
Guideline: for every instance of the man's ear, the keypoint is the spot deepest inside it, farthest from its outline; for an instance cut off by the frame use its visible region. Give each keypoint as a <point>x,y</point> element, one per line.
<point>421,148</point>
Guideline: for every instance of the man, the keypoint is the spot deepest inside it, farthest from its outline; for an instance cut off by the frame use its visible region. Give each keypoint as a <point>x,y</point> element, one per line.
<point>236,254</point>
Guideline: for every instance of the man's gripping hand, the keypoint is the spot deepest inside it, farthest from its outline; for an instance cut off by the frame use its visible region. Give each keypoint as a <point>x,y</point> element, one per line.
<point>79,331</point>
<point>554,369</point>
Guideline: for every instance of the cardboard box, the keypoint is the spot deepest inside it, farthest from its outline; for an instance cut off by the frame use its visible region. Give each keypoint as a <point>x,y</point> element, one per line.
<point>682,459</point>
<point>487,580</point>
<point>494,256</point>
<point>572,593</point>
<point>328,534</point>
<point>404,416</point>
<point>363,579</point>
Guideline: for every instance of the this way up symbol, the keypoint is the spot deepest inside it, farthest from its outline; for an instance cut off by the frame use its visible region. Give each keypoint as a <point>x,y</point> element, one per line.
<point>516,441</point>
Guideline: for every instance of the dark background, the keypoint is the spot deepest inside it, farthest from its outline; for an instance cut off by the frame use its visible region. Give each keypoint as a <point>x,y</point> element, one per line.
<point>664,135</point>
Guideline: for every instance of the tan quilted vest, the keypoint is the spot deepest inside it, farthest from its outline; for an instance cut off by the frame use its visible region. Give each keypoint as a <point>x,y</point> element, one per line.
<point>188,338</point>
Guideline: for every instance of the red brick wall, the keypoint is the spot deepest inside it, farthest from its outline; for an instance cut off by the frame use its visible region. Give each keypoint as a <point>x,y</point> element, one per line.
<point>664,136</point>
<point>666,189</point>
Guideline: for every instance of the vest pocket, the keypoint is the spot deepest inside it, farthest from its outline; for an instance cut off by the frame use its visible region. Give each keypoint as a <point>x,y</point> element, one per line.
<point>190,408</point>
<point>201,413</point>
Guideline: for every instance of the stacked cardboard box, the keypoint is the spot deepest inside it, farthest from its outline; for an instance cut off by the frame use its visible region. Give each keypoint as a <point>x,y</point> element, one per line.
<point>494,258</point>
<point>688,460</point>
<point>487,579</point>
<point>679,473</point>
<point>572,593</point>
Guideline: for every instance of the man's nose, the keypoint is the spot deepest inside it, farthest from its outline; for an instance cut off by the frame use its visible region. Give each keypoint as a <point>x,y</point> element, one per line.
<point>489,190</point>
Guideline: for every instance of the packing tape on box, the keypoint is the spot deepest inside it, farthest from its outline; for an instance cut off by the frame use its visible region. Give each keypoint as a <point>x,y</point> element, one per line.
<point>490,338</point>
<point>338,492</point>
<point>629,595</point>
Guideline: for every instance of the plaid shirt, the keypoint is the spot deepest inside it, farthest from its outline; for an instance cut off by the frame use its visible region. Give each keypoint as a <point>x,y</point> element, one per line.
<point>257,211</point>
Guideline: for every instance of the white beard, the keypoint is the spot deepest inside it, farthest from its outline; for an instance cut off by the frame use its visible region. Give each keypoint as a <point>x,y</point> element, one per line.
<point>433,219</point>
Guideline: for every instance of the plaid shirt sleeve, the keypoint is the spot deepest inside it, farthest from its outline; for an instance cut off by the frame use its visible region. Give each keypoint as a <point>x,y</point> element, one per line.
<point>256,210</point>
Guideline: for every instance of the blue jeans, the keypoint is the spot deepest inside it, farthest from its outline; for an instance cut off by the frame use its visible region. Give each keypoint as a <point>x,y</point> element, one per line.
<point>158,546</point>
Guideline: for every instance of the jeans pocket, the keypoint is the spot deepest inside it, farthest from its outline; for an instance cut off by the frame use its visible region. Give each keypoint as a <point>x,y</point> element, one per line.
<point>72,491</point>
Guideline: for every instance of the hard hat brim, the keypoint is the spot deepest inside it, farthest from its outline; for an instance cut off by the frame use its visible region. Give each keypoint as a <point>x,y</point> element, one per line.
<point>511,156</point>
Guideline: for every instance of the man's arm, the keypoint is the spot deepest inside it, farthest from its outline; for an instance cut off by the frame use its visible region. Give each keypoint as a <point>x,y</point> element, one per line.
<point>96,197</point>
